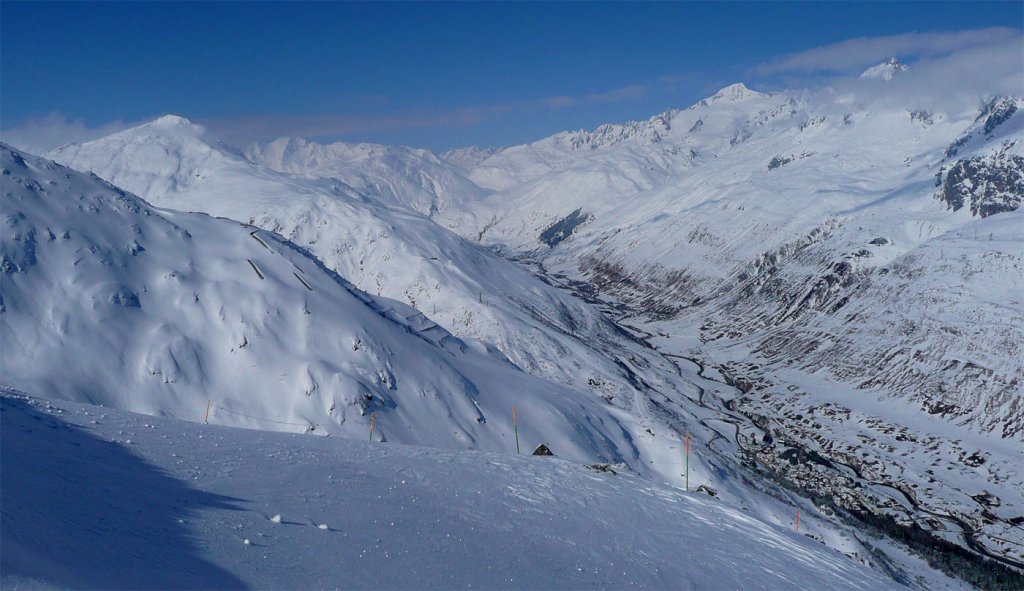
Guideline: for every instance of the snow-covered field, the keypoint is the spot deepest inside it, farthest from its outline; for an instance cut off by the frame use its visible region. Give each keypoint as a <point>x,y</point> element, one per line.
<point>99,498</point>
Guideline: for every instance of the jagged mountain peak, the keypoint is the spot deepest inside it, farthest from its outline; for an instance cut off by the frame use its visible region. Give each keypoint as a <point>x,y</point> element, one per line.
<point>734,92</point>
<point>169,120</point>
<point>291,145</point>
<point>167,130</point>
<point>886,70</point>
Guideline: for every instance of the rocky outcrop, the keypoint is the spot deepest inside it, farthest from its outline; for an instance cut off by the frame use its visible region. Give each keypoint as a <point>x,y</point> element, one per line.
<point>564,227</point>
<point>987,185</point>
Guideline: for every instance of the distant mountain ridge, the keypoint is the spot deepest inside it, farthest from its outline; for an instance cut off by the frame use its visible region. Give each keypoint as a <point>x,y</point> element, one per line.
<point>373,239</point>
<point>110,301</point>
<point>853,267</point>
<point>848,267</point>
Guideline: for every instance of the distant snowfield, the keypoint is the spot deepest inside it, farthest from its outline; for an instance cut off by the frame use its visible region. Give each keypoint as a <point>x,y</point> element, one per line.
<point>100,498</point>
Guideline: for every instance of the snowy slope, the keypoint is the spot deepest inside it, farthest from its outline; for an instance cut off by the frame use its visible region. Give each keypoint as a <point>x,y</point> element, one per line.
<point>823,250</point>
<point>827,256</point>
<point>384,250</point>
<point>108,300</point>
<point>773,207</point>
<point>141,502</point>
<point>414,178</point>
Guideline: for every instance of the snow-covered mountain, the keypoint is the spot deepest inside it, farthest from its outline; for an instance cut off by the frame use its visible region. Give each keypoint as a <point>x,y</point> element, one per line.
<point>828,257</point>
<point>413,178</point>
<point>108,300</point>
<point>843,266</point>
<point>545,330</point>
<point>851,261</point>
<point>775,210</point>
<point>382,248</point>
<point>886,70</point>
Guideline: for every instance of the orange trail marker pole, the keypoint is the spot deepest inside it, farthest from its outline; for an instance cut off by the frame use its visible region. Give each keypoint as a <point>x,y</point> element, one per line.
<point>206,419</point>
<point>798,520</point>
<point>515,425</point>
<point>371,427</point>
<point>687,461</point>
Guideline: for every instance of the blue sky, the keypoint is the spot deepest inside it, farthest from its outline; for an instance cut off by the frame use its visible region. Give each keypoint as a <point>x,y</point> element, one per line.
<point>438,75</point>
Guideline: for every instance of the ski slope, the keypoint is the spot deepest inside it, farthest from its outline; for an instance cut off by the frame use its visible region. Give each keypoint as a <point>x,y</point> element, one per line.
<point>100,498</point>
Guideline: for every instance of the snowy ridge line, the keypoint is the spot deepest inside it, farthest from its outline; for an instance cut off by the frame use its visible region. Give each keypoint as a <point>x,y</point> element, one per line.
<point>391,312</point>
<point>165,295</point>
<point>376,245</point>
<point>235,412</point>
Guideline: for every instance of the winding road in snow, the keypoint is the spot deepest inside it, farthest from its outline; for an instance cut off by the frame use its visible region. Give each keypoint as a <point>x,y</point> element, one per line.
<point>738,420</point>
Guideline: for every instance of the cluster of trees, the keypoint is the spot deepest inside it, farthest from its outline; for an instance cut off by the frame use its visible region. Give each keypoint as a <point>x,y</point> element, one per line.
<point>945,556</point>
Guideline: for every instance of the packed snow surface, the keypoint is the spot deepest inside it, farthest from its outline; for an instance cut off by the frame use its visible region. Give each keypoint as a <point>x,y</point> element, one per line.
<point>98,498</point>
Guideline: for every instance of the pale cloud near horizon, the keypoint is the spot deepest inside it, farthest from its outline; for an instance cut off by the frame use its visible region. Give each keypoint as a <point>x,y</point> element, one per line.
<point>242,131</point>
<point>42,134</point>
<point>956,83</point>
<point>950,71</point>
<point>852,54</point>
<point>627,93</point>
<point>263,128</point>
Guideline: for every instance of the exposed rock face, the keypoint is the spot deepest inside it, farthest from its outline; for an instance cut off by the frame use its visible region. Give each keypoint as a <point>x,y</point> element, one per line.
<point>779,161</point>
<point>988,185</point>
<point>993,117</point>
<point>998,111</point>
<point>564,227</point>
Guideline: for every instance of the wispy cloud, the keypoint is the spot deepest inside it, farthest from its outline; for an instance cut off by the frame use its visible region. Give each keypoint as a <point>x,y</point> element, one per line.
<point>245,130</point>
<point>852,54</point>
<point>559,102</point>
<point>618,95</point>
<point>954,83</point>
<point>39,135</point>
<point>240,131</point>
<point>42,134</point>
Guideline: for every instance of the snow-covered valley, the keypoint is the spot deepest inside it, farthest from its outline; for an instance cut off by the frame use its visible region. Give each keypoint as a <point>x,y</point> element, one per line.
<point>823,290</point>
<point>851,265</point>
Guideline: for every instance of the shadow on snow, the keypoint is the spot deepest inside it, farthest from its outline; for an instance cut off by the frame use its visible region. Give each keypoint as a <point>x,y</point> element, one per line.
<point>81,512</point>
